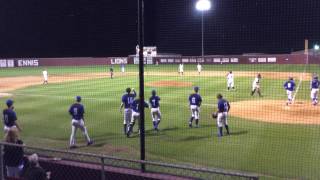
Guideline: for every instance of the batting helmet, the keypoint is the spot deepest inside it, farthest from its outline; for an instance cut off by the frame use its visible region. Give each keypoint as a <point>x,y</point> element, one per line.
<point>128,90</point>
<point>196,88</point>
<point>153,92</point>
<point>9,102</point>
<point>78,98</point>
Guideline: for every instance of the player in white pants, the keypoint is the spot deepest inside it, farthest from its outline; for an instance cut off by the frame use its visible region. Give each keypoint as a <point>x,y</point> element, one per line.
<point>180,69</point>
<point>222,115</point>
<point>256,85</point>
<point>289,86</point>
<point>127,100</point>
<point>135,115</point>
<point>195,101</point>
<point>77,112</point>
<point>154,102</point>
<point>199,68</point>
<point>45,76</point>
<point>314,86</point>
<point>230,81</point>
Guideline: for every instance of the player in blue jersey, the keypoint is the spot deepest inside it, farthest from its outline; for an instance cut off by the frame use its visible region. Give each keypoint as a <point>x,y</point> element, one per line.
<point>289,86</point>
<point>127,100</point>
<point>222,115</point>
<point>135,114</point>
<point>314,86</point>
<point>77,112</point>
<point>154,102</point>
<point>195,103</point>
<point>10,117</point>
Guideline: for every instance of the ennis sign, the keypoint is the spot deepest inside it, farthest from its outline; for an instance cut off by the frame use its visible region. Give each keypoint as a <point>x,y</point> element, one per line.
<point>27,62</point>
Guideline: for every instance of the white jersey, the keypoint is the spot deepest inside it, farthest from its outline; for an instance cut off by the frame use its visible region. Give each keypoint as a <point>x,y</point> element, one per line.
<point>180,67</point>
<point>230,77</point>
<point>256,81</point>
<point>45,75</point>
<point>199,67</point>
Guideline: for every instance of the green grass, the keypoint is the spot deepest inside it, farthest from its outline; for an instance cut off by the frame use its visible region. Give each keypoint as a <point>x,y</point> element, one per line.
<point>272,150</point>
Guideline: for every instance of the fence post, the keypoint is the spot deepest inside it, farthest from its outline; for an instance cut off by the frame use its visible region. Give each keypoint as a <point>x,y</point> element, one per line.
<point>103,176</point>
<point>1,162</point>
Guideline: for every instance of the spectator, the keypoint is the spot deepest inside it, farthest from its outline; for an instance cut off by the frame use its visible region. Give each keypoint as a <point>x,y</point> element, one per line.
<point>35,171</point>
<point>13,155</point>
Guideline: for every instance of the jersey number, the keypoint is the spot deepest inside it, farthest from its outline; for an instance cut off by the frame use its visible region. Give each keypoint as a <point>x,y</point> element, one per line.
<point>75,111</point>
<point>130,99</point>
<point>193,100</point>
<point>226,107</point>
<point>154,102</point>
<point>6,119</point>
<point>289,85</point>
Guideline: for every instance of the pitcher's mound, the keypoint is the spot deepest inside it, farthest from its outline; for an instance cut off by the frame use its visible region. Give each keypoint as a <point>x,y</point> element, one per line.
<point>275,111</point>
<point>168,84</point>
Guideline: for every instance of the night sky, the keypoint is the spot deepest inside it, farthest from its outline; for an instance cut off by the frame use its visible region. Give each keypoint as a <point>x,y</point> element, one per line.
<point>61,28</point>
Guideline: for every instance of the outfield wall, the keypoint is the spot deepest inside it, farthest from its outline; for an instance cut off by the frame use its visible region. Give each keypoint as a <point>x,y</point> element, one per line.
<point>217,59</point>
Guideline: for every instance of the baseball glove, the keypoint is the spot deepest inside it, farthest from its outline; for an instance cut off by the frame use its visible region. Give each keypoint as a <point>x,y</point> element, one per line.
<point>214,115</point>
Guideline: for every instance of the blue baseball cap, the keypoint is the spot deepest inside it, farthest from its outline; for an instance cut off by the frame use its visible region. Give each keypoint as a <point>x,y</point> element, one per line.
<point>196,88</point>
<point>78,98</point>
<point>9,102</point>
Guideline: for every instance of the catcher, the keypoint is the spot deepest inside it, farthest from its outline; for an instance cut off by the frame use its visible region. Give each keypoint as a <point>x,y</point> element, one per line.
<point>221,115</point>
<point>256,85</point>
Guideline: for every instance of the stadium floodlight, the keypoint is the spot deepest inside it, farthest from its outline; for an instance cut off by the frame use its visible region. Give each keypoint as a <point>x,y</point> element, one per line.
<point>316,47</point>
<point>203,5</point>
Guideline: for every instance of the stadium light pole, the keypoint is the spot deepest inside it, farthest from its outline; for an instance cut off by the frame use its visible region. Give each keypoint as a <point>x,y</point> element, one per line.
<point>202,6</point>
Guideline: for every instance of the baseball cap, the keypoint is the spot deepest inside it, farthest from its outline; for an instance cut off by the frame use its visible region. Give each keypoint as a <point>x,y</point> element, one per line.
<point>78,98</point>
<point>9,102</point>
<point>196,88</point>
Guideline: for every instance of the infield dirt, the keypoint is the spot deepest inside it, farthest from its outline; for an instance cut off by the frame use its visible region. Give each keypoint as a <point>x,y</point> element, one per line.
<point>273,111</point>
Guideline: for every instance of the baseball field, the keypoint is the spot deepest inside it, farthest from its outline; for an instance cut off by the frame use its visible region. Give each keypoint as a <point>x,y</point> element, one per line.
<point>267,137</point>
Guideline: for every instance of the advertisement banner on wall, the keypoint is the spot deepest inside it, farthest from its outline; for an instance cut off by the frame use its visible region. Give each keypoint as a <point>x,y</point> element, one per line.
<point>119,60</point>
<point>27,62</point>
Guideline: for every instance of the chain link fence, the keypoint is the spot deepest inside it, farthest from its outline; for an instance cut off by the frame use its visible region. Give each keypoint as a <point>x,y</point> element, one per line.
<point>58,164</point>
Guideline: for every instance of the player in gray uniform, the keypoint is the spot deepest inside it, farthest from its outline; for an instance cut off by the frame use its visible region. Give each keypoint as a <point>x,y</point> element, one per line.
<point>127,100</point>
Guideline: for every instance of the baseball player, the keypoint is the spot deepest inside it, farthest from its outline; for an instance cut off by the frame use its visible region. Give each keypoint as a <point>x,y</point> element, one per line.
<point>314,86</point>
<point>122,68</point>
<point>199,68</point>
<point>45,76</point>
<point>10,117</point>
<point>127,100</point>
<point>195,103</point>
<point>154,102</point>
<point>289,86</point>
<point>180,69</point>
<point>76,110</point>
<point>111,72</point>
<point>135,114</point>
<point>230,80</point>
<point>222,114</point>
<point>256,85</point>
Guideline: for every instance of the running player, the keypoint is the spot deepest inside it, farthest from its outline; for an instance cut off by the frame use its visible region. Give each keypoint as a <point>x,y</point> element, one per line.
<point>127,100</point>
<point>195,103</point>
<point>10,117</point>
<point>154,102</point>
<point>180,69</point>
<point>199,68</point>
<point>256,85</point>
<point>222,115</point>
<point>111,72</point>
<point>77,111</point>
<point>45,76</point>
<point>230,81</point>
<point>314,86</point>
<point>135,115</point>
<point>289,86</point>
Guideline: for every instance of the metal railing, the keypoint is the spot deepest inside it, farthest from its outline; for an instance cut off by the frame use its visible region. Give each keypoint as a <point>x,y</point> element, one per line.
<point>101,162</point>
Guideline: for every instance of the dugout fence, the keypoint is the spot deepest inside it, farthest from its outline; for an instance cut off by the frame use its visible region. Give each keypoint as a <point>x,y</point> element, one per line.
<point>78,165</point>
